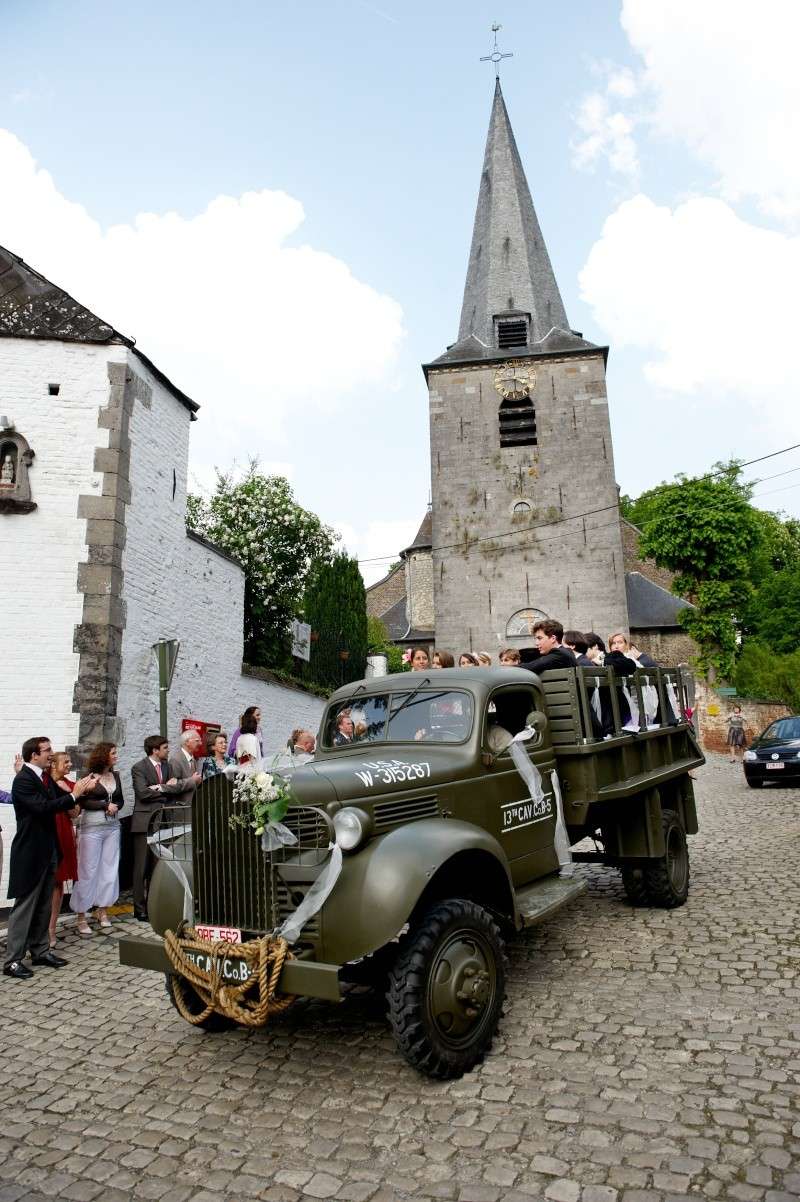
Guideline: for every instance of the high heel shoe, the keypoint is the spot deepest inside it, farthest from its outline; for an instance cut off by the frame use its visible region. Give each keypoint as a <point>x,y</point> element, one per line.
<point>83,929</point>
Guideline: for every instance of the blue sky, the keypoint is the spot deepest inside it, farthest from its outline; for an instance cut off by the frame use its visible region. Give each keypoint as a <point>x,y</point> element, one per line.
<point>373,117</point>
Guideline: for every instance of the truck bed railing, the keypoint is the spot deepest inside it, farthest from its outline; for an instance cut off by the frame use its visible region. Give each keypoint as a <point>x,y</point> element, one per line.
<point>591,705</point>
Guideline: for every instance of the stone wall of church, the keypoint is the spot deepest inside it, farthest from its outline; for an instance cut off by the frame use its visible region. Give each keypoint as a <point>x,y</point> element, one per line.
<point>40,552</point>
<point>571,570</point>
<point>385,593</point>
<point>419,589</point>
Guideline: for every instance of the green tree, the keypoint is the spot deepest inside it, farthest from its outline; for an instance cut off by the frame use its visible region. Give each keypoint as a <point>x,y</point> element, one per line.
<point>760,672</point>
<point>380,644</point>
<point>336,607</point>
<point>258,521</point>
<point>773,614</point>
<point>705,530</point>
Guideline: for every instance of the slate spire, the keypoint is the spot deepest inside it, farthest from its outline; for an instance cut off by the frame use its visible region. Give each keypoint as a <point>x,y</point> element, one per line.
<point>509,268</point>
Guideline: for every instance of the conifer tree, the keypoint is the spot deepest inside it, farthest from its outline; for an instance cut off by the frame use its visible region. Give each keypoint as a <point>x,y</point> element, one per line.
<point>336,608</point>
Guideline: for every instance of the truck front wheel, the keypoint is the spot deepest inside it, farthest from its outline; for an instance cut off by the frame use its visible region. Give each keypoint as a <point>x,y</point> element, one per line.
<point>446,989</point>
<point>665,881</point>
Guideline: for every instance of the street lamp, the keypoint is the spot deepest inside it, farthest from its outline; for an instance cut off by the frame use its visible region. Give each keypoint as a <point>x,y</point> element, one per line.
<point>166,651</point>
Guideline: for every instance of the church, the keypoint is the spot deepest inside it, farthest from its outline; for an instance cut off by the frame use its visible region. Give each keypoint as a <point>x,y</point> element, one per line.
<point>524,520</point>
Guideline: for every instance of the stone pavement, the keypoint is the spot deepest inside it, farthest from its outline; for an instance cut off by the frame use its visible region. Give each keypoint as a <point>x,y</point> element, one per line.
<point>644,1056</point>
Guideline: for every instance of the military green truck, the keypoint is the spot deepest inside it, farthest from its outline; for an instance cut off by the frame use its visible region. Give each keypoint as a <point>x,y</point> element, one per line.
<point>445,847</point>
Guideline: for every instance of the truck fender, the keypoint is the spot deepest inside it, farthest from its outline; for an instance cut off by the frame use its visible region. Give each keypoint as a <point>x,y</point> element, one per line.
<point>381,885</point>
<point>165,895</point>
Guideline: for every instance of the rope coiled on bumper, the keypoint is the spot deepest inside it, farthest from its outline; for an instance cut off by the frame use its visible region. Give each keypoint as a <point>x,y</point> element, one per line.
<point>249,1002</point>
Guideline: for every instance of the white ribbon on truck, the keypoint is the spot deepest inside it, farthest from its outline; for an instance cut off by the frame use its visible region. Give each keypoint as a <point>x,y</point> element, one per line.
<point>533,779</point>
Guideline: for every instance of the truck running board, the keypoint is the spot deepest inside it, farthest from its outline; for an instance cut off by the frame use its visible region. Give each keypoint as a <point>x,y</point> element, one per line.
<point>541,899</point>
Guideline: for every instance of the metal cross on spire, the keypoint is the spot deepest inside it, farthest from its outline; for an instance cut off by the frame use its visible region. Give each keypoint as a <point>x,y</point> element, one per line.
<point>497,55</point>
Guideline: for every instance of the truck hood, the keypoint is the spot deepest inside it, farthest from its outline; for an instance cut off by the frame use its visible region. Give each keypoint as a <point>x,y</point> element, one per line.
<point>354,778</point>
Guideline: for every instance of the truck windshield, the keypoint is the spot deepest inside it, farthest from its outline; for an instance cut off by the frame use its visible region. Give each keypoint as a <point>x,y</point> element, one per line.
<point>441,716</point>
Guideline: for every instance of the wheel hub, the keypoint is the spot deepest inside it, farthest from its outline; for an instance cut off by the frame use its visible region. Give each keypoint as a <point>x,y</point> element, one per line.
<point>461,985</point>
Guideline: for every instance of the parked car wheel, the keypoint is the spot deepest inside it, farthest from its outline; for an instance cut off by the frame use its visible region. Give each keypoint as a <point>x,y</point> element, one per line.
<point>446,989</point>
<point>214,1022</point>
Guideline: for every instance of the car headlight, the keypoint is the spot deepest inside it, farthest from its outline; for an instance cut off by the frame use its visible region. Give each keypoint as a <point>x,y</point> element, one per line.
<point>750,756</point>
<point>352,827</point>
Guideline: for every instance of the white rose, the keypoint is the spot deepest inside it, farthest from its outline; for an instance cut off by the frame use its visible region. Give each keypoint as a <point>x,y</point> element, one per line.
<point>262,779</point>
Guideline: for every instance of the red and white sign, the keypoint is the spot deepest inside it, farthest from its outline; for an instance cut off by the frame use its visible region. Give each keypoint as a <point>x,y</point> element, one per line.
<point>220,934</point>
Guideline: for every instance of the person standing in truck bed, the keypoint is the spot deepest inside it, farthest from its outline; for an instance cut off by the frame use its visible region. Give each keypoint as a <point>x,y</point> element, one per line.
<point>548,653</point>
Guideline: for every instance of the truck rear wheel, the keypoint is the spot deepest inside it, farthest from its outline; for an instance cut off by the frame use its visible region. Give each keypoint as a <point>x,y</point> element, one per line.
<point>664,882</point>
<point>214,1022</point>
<point>446,989</point>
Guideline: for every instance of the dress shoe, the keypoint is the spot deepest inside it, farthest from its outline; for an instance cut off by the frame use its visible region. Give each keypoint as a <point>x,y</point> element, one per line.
<point>49,960</point>
<point>17,969</point>
<point>140,914</point>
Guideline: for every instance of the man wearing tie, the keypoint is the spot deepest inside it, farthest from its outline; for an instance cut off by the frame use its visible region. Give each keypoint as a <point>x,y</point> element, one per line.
<point>34,856</point>
<point>153,784</point>
<point>184,767</point>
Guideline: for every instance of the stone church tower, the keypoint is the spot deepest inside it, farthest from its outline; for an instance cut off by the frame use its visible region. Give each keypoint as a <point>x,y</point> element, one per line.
<point>525,518</point>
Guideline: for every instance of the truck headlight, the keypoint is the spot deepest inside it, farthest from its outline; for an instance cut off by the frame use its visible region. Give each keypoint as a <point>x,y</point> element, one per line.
<point>352,827</point>
<point>749,756</point>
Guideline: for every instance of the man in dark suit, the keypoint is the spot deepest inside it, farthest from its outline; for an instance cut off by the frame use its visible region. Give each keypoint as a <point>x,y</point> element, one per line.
<point>34,856</point>
<point>547,634</point>
<point>154,786</point>
<point>185,768</point>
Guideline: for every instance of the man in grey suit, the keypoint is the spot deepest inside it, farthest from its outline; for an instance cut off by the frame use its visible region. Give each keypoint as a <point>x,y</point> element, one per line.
<point>154,786</point>
<point>185,768</point>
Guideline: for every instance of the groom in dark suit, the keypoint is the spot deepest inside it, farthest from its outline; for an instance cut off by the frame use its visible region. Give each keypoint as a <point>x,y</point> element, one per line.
<point>154,786</point>
<point>34,856</point>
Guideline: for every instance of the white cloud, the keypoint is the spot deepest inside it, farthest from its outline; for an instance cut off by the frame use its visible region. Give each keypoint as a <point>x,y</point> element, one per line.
<point>605,132</point>
<point>707,295</point>
<point>723,78</point>
<point>246,323</point>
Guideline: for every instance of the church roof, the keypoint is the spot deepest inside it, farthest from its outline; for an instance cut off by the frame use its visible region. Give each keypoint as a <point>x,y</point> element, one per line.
<point>423,539</point>
<point>32,307</point>
<point>650,605</point>
<point>509,273</point>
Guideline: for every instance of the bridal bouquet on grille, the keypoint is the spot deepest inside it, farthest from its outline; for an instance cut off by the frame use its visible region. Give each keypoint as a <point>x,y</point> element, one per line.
<point>260,802</point>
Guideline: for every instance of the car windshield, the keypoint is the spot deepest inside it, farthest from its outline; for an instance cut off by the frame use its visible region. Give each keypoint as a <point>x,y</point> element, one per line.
<point>441,716</point>
<point>784,728</point>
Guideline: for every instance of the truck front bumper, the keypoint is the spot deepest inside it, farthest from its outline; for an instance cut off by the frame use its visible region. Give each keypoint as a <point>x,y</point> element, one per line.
<point>305,978</point>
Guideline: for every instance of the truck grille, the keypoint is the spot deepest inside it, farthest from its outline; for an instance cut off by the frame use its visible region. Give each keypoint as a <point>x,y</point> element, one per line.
<point>231,872</point>
<point>394,813</point>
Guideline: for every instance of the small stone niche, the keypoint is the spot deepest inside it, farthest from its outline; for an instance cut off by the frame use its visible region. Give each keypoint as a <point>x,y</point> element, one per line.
<point>15,459</point>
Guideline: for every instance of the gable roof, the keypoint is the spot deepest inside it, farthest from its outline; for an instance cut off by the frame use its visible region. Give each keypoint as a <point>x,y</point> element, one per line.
<point>33,307</point>
<point>650,605</point>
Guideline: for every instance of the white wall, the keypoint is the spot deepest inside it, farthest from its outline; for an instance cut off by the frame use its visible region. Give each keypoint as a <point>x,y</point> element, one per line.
<point>177,588</point>
<point>39,600</point>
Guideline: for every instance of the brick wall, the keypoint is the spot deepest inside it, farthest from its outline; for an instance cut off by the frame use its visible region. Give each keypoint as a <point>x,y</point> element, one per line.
<point>387,592</point>
<point>668,647</point>
<point>714,726</point>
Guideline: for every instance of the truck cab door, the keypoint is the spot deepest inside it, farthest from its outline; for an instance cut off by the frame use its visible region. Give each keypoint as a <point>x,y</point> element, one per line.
<point>524,827</point>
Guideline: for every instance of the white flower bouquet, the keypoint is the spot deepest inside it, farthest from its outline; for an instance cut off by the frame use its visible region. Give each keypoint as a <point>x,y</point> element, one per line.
<point>261,800</point>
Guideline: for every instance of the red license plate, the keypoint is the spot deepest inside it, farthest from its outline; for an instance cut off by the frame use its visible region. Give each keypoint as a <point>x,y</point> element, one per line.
<point>228,934</point>
<point>775,766</point>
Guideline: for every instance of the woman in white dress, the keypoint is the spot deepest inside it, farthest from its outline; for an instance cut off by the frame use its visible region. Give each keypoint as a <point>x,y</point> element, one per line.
<point>99,840</point>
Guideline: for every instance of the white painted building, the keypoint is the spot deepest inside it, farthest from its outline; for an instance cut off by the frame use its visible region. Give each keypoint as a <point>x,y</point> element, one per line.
<point>101,567</point>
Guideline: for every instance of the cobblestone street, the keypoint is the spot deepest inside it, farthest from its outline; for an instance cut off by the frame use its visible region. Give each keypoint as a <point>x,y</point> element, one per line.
<point>644,1055</point>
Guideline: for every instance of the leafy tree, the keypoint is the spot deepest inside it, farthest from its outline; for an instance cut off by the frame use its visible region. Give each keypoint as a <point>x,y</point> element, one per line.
<point>336,607</point>
<point>379,644</point>
<point>762,673</point>
<point>705,530</point>
<point>258,521</point>
<point>773,614</point>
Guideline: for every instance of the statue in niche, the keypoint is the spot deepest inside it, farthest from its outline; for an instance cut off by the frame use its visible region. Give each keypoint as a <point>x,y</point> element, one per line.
<point>7,473</point>
<point>15,459</point>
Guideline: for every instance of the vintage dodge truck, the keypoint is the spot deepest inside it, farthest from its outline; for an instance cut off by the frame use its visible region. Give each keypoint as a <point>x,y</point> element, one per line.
<point>445,847</point>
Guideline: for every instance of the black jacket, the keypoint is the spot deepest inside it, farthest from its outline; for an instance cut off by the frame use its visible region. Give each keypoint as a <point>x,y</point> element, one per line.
<point>35,806</point>
<point>559,657</point>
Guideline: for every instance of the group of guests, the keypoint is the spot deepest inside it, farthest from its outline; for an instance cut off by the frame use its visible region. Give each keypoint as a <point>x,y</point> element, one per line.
<point>554,648</point>
<point>69,830</point>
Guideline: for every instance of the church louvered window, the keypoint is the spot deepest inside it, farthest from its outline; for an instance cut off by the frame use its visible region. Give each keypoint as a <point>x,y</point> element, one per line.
<point>517,423</point>
<point>512,333</point>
